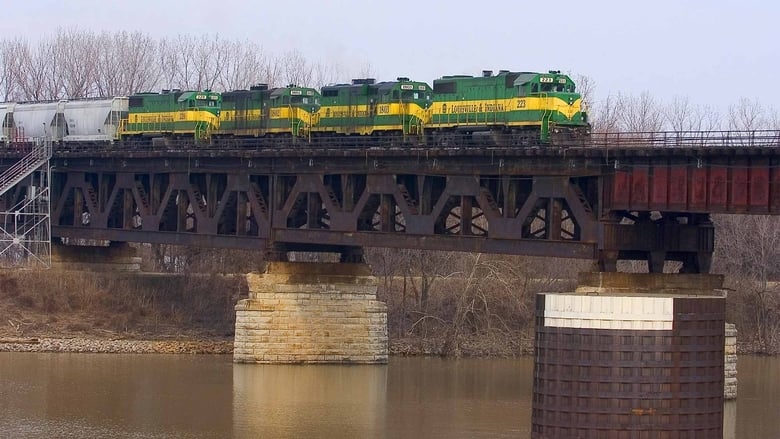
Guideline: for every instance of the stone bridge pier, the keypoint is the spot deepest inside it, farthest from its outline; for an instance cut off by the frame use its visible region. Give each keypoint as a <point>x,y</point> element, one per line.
<point>303,312</point>
<point>116,256</point>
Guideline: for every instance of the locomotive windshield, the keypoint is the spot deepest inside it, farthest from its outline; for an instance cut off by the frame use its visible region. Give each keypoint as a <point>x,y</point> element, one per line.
<point>204,103</point>
<point>418,93</point>
<point>203,100</point>
<point>305,100</point>
<point>552,85</point>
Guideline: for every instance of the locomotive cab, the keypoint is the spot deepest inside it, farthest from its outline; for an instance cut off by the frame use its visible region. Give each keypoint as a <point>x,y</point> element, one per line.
<point>307,99</point>
<point>408,99</point>
<point>406,91</point>
<point>562,111</point>
<point>292,110</point>
<point>201,100</point>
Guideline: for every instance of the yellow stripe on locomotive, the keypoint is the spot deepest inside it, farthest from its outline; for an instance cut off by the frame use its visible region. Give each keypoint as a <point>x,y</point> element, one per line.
<point>364,107</point>
<point>172,112</point>
<point>511,108</point>
<point>260,111</point>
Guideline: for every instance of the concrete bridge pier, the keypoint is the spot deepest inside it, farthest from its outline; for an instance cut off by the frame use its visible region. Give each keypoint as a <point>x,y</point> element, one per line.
<point>116,256</point>
<point>306,312</point>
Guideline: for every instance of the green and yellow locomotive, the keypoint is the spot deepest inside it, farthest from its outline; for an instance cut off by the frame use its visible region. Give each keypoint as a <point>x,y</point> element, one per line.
<point>395,110</point>
<point>279,113</point>
<point>172,113</point>
<point>507,109</point>
<point>510,108</point>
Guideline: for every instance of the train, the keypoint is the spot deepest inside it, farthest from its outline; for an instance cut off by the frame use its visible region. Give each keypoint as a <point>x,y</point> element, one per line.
<point>505,109</point>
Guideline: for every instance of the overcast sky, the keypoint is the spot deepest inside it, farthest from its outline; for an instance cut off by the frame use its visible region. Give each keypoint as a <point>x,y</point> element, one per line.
<point>713,52</point>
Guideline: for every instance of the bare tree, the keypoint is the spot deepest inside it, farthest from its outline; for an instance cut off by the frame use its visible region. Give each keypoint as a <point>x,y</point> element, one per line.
<point>747,115</point>
<point>11,53</point>
<point>709,118</point>
<point>324,74</point>
<point>366,71</point>
<point>679,114</point>
<point>640,113</point>
<point>273,71</point>
<point>177,62</point>
<point>297,70</point>
<point>75,73</point>
<point>605,115</point>
<point>774,120</point>
<point>691,122</point>
<point>747,250</point>
<point>209,58</point>
<point>586,87</point>
<point>243,67</point>
<point>54,81</point>
<point>31,76</point>
<point>140,70</point>
<point>126,63</point>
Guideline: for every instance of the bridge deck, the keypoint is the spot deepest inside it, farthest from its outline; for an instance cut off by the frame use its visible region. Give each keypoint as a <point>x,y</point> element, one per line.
<point>581,202</point>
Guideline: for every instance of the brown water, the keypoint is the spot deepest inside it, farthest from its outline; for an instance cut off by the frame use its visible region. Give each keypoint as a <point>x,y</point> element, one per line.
<point>161,396</point>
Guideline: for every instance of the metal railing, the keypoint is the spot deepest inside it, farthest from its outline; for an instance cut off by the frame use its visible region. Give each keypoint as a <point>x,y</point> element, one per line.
<point>604,140</point>
<point>687,139</point>
<point>39,154</point>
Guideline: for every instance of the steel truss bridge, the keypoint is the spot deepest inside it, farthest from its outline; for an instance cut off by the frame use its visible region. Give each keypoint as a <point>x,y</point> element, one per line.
<point>627,196</point>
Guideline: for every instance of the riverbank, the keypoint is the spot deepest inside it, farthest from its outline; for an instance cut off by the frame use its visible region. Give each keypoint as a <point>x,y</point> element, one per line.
<point>212,345</point>
<point>136,313</point>
<point>116,346</point>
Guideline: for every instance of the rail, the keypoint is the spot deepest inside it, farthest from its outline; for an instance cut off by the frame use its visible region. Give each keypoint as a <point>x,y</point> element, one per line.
<point>600,140</point>
<point>39,155</point>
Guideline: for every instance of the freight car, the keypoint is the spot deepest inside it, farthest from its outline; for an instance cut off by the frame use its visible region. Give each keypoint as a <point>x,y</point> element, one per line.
<point>280,114</point>
<point>86,121</point>
<point>510,108</point>
<point>394,111</point>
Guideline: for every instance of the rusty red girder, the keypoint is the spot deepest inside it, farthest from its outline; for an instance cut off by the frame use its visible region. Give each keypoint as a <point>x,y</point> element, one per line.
<point>727,185</point>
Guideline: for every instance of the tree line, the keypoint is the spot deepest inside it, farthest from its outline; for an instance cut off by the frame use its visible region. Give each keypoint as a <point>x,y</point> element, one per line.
<point>74,64</point>
<point>643,112</point>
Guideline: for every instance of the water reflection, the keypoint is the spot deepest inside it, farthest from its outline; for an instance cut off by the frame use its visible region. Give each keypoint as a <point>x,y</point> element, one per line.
<point>180,396</point>
<point>417,397</point>
<point>101,395</point>
<point>730,420</point>
<point>758,397</point>
<point>281,401</point>
<point>467,398</point>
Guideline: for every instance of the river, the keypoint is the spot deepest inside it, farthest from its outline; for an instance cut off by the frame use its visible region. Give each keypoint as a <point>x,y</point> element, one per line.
<point>44,395</point>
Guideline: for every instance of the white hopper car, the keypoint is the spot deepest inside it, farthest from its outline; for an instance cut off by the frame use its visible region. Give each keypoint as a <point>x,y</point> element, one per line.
<point>90,121</point>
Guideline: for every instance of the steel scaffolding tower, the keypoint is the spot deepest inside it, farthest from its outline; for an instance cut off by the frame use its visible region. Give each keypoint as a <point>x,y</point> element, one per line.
<point>25,227</point>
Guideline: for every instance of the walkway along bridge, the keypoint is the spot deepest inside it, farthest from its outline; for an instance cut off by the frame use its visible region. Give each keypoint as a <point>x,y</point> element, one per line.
<point>645,196</point>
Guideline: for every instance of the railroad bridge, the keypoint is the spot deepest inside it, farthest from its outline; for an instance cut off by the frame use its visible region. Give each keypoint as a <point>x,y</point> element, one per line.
<point>628,196</point>
<point>644,196</point>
